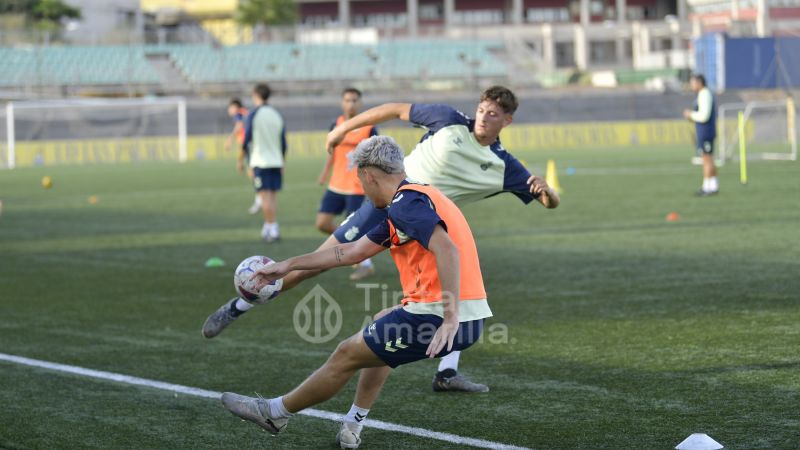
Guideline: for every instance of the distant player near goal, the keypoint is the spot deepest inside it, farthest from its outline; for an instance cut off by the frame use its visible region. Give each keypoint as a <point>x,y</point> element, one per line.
<point>237,112</point>
<point>345,193</point>
<point>265,143</point>
<point>443,309</point>
<point>704,117</point>
<point>460,156</point>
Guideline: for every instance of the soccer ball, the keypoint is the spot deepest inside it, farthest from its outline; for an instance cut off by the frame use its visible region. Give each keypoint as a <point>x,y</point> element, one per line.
<point>245,286</point>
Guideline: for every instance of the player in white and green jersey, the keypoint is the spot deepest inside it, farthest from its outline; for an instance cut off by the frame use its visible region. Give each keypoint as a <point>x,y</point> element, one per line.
<point>461,156</point>
<point>265,142</point>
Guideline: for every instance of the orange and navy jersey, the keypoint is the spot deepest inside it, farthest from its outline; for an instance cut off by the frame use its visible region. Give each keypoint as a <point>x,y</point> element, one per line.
<point>415,212</point>
<point>239,118</point>
<point>343,179</point>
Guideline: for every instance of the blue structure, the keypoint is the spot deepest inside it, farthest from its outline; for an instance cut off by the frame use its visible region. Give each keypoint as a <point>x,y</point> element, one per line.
<point>748,63</point>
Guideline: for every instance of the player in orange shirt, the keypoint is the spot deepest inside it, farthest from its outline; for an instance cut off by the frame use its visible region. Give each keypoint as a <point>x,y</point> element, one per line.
<point>237,112</point>
<point>443,309</point>
<point>344,193</point>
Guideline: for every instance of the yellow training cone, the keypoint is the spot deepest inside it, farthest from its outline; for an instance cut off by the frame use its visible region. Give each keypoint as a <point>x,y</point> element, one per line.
<point>552,176</point>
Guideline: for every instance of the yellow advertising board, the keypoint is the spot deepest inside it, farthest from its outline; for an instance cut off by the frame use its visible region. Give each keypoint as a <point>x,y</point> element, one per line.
<point>192,7</point>
<point>311,143</point>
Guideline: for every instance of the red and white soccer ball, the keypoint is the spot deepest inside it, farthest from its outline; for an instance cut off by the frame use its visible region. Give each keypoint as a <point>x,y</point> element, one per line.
<point>245,285</point>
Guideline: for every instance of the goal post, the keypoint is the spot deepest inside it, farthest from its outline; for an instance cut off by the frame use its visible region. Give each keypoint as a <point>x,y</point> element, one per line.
<point>86,131</point>
<point>768,127</point>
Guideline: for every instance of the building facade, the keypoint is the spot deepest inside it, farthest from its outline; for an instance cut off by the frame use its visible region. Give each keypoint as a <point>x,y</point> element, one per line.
<point>747,17</point>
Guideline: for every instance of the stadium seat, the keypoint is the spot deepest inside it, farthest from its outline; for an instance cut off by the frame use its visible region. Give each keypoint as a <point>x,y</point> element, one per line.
<point>198,63</point>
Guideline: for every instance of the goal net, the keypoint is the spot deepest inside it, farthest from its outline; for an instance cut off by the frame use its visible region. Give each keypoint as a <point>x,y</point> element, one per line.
<point>768,127</point>
<point>92,131</point>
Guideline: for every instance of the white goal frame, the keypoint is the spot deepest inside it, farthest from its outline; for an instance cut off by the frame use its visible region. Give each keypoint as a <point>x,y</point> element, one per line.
<point>11,107</point>
<point>728,145</point>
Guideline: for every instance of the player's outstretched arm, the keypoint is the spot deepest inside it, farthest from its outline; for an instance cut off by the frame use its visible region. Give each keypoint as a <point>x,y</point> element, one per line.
<point>339,255</point>
<point>548,197</point>
<point>448,264</point>
<point>372,116</point>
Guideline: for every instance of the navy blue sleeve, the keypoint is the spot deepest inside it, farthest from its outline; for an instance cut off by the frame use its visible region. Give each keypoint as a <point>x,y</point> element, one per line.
<point>373,131</point>
<point>414,216</point>
<point>248,130</point>
<point>515,179</point>
<point>380,234</point>
<point>333,125</point>
<point>434,117</point>
<point>238,117</point>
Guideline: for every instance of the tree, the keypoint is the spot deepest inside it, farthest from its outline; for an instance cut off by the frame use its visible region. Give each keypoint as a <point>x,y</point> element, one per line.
<point>53,11</point>
<point>266,12</point>
<point>17,6</point>
<point>44,14</point>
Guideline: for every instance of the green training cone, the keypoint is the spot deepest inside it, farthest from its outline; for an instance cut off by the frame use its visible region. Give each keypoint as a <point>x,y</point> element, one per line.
<point>215,262</point>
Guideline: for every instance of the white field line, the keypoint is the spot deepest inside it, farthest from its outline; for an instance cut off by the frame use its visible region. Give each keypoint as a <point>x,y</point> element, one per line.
<point>196,392</point>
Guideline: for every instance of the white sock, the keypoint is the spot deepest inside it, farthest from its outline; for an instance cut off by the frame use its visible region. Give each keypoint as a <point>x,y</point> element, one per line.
<point>706,183</point>
<point>449,362</point>
<point>243,305</point>
<point>713,184</point>
<point>356,416</point>
<point>274,231</point>
<point>366,263</point>
<point>257,200</point>
<point>277,410</point>
<point>265,229</point>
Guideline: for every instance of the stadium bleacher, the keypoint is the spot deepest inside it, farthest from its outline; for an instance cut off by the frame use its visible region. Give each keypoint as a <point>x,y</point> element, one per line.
<point>111,65</point>
<point>283,61</point>
<point>101,65</point>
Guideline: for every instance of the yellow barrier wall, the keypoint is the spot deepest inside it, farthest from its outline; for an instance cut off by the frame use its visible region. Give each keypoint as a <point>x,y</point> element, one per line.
<point>192,7</point>
<point>311,143</point>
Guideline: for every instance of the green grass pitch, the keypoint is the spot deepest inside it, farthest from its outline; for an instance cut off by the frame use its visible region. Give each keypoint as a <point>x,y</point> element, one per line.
<point>625,330</point>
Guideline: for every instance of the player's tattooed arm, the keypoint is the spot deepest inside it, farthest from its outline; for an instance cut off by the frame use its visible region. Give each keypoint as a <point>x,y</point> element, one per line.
<point>339,253</point>
<point>342,255</point>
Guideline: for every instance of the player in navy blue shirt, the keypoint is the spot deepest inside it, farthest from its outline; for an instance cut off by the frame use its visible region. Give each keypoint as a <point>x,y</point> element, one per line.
<point>462,157</point>
<point>414,214</point>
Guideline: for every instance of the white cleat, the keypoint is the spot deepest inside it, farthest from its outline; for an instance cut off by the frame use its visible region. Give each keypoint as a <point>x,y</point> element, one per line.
<point>349,435</point>
<point>255,410</point>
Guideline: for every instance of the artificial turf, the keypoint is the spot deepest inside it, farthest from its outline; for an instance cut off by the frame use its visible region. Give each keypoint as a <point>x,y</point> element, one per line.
<point>613,327</point>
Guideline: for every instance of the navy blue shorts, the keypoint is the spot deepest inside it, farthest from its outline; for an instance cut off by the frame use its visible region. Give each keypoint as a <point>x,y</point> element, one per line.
<point>335,203</point>
<point>267,179</point>
<point>705,146</point>
<point>401,337</point>
<point>360,222</point>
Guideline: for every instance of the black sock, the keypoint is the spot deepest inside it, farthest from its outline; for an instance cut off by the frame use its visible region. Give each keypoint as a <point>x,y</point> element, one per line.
<point>446,373</point>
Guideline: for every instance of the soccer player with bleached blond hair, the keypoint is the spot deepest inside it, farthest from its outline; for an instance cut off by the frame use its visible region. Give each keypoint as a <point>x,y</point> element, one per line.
<point>443,309</point>
<point>460,156</point>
